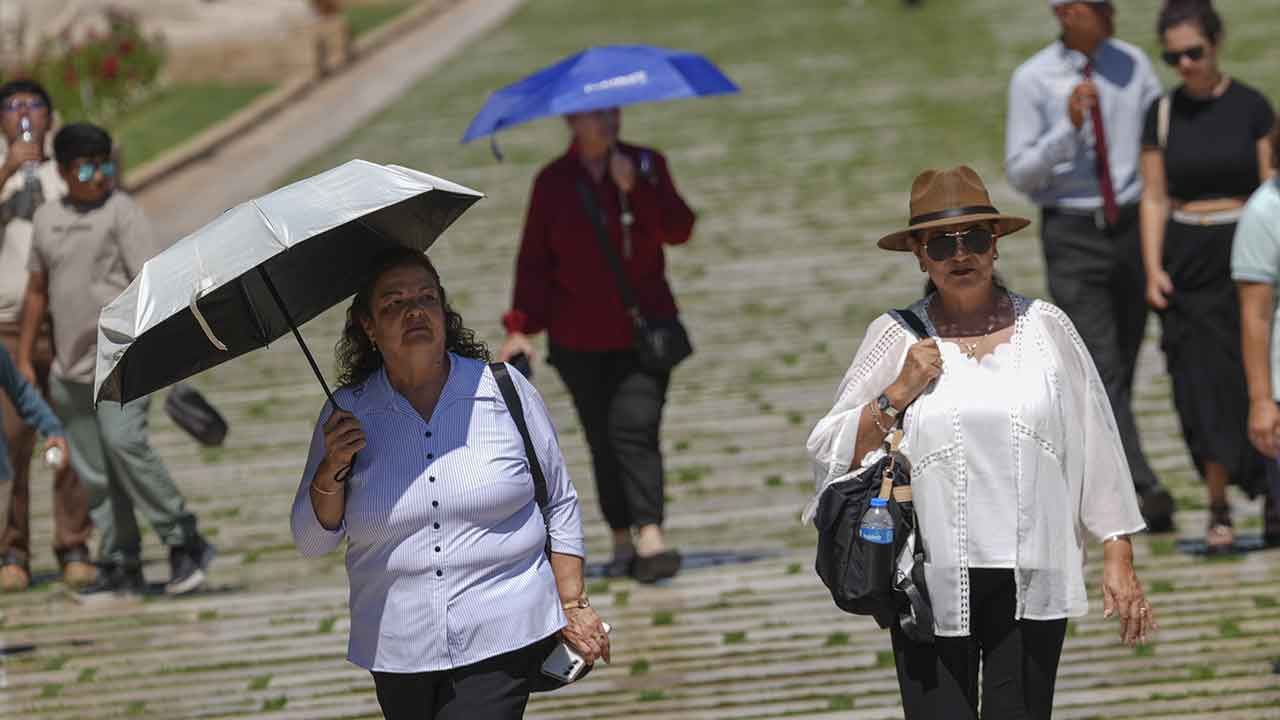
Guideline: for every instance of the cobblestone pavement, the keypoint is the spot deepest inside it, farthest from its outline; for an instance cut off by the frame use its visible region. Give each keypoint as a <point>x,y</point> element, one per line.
<point>793,180</point>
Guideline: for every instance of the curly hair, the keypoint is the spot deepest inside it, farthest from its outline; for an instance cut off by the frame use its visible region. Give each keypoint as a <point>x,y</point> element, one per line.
<point>358,358</point>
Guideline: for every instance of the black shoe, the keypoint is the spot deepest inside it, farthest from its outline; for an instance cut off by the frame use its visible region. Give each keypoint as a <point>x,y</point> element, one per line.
<point>652,568</point>
<point>187,566</point>
<point>115,580</point>
<point>1157,510</point>
<point>618,566</point>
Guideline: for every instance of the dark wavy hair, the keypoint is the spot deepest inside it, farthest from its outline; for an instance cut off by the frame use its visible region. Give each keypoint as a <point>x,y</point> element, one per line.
<point>1198,12</point>
<point>356,355</point>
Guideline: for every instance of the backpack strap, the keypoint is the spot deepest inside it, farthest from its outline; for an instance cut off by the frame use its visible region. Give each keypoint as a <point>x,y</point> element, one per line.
<point>515,408</point>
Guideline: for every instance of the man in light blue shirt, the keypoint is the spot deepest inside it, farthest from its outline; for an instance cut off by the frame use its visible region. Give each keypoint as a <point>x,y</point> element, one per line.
<point>1255,266</point>
<point>1089,227</point>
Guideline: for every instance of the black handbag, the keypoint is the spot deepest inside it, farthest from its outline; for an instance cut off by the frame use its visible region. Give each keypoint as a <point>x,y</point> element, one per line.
<point>537,680</point>
<point>863,578</point>
<point>190,411</point>
<point>660,344</point>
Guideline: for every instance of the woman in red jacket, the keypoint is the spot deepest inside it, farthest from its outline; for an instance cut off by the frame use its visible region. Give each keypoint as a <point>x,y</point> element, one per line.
<point>564,285</point>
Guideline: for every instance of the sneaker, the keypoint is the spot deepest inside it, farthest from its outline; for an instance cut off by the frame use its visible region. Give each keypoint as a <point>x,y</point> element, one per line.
<point>1157,510</point>
<point>115,581</point>
<point>187,566</point>
<point>14,576</point>
<point>77,571</point>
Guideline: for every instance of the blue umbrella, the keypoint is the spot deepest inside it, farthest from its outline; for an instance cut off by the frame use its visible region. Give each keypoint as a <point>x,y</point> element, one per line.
<point>600,77</point>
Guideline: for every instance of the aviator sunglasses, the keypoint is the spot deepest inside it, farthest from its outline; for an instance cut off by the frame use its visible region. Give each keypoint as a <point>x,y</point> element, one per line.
<point>1173,57</point>
<point>87,170</point>
<point>944,245</point>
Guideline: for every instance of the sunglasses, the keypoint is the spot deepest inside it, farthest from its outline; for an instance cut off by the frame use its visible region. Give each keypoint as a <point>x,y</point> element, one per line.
<point>1173,57</point>
<point>944,245</point>
<point>20,105</point>
<point>87,170</point>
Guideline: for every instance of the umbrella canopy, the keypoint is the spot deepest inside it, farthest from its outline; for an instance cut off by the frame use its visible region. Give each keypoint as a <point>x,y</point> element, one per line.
<point>600,77</point>
<point>263,268</point>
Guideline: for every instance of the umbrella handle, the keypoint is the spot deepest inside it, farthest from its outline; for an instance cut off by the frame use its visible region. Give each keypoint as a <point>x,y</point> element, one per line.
<point>200,320</point>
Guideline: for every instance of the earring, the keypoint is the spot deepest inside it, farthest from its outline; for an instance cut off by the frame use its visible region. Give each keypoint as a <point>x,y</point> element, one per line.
<point>373,343</point>
<point>996,256</point>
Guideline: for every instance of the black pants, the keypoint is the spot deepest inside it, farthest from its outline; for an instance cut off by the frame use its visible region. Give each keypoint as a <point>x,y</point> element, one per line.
<point>1096,277</point>
<point>620,408</point>
<point>492,689</point>
<point>1018,658</point>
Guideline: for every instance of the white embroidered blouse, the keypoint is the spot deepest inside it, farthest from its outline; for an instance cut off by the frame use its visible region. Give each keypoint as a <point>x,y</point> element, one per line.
<point>1029,428</point>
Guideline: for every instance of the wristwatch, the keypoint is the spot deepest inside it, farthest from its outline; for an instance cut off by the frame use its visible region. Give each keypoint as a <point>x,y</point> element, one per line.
<point>886,406</point>
<point>578,604</point>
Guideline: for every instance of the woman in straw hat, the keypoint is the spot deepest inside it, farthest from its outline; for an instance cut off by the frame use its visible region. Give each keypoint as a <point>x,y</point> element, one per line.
<point>1015,454</point>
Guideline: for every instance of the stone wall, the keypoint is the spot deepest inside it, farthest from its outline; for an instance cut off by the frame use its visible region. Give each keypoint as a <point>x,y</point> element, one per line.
<point>208,40</point>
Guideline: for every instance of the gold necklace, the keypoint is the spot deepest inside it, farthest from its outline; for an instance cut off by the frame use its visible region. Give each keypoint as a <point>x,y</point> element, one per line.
<point>970,348</point>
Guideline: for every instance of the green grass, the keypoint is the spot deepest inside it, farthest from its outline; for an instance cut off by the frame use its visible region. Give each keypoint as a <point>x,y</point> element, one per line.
<point>840,702</point>
<point>260,682</point>
<point>734,638</point>
<point>87,675</point>
<point>275,703</point>
<point>652,696</point>
<point>837,639</point>
<point>663,617</point>
<point>365,17</point>
<point>176,115</point>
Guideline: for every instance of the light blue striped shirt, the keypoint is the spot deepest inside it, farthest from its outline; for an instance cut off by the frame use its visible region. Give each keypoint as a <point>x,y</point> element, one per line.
<point>1051,161</point>
<point>444,538</point>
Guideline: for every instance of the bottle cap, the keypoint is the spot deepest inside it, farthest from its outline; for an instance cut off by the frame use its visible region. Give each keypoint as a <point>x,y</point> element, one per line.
<point>878,502</point>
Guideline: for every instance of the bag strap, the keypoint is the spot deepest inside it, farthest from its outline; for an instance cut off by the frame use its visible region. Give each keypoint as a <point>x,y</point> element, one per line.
<point>610,253</point>
<point>1162,120</point>
<point>516,409</point>
<point>913,323</point>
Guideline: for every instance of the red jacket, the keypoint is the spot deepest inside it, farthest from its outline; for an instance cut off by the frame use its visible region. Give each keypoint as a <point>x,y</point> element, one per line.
<point>563,282</point>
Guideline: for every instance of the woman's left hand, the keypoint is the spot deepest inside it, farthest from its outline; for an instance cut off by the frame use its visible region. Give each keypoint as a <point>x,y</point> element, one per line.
<point>586,632</point>
<point>1122,594</point>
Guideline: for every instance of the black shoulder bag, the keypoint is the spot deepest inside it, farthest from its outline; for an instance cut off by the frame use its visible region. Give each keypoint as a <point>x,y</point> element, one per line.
<point>190,411</point>
<point>660,345</point>
<point>538,681</point>
<point>863,577</point>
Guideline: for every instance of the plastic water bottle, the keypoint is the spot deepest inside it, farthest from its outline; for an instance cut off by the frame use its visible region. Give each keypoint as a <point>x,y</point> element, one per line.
<point>53,457</point>
<point>31,194</point>
<point>876,535</point>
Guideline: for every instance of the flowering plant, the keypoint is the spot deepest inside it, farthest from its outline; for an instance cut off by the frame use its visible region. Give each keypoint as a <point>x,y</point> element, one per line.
<point>97,72</point>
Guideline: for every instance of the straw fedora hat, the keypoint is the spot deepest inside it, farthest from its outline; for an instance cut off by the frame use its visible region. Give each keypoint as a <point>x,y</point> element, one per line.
<point>949,197</point>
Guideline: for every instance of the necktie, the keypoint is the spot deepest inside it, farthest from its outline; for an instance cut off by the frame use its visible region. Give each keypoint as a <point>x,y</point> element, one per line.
<point>1110,210</point>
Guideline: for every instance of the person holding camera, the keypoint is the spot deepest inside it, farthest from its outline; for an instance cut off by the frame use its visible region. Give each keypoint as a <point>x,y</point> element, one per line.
<point>1014,454</point>
<point>460,586</point>
<point>565,284</point>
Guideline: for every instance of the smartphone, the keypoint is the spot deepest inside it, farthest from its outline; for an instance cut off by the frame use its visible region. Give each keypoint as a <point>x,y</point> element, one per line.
<point>564,663</point>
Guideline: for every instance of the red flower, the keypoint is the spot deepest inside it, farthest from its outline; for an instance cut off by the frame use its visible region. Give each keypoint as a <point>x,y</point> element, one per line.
<point>111,67</point>
<point>69,75</point>
<point>126,47</point>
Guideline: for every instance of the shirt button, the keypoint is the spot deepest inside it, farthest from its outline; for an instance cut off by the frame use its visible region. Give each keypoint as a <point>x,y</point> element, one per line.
<point>435,526</point>
<point>431,456</point>
<point>428,433</point>
<point>439,573</point>
<point>435,503</point>
<point>432,478</point>
<point>437,548</point>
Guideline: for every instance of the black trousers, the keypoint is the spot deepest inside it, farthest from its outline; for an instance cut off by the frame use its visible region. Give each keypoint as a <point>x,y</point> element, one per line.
<point>493,689</point>
<point>1096,276</point>
<point>620,407</point>
<point>1018,660</point>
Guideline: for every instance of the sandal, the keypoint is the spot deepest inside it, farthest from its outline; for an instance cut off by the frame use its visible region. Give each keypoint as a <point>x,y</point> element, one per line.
<point>1220,537</point>
<point>1271,521</point>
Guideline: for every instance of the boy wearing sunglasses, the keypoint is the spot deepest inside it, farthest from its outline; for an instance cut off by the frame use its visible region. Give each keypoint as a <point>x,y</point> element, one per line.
<point>27,179</point>
<point>86,250</point>
<point>1071,145</point>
